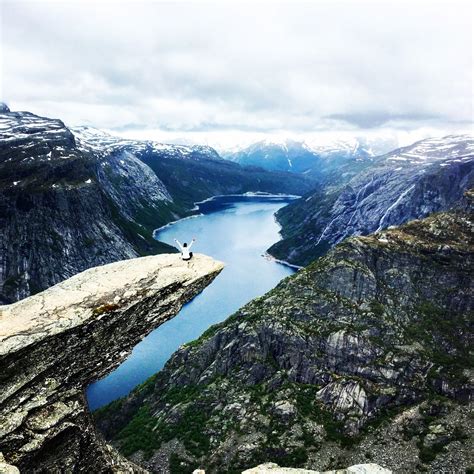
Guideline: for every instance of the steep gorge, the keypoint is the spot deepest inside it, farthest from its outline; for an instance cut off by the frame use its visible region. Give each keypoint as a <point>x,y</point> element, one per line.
<point>364,354</point>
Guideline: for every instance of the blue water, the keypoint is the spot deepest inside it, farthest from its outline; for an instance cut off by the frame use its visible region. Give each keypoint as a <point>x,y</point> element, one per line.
<point>236,230</point>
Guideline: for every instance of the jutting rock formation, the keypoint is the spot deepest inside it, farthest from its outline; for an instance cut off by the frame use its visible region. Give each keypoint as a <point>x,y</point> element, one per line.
<point>53,344</point>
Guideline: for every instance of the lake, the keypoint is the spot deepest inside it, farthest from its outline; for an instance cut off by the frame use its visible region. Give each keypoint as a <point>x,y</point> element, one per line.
<point>234,229</point>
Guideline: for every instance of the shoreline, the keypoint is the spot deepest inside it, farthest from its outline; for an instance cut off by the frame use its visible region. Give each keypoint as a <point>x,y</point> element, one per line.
<point>174,222</point>
<point>251,194</point>
<point>269,256</point>
<point>247,194</point>
<point>282,262</point>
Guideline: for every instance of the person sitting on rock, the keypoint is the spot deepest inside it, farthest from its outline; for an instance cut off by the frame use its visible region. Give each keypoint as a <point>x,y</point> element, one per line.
<point>185,253</point>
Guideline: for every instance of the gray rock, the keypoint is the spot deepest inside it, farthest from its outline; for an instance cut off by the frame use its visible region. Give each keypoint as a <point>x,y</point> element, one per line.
<point>271,468</point>
<point>57,342</point>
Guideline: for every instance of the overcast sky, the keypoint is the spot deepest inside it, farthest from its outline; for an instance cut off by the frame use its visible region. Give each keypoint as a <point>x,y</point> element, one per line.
<point>221,69</point>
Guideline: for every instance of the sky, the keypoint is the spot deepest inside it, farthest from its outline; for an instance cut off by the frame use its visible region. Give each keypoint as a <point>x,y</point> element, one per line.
<point>229,72</point>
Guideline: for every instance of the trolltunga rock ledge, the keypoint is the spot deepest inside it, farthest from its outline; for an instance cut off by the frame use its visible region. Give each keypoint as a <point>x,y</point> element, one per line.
<point>53,344</point>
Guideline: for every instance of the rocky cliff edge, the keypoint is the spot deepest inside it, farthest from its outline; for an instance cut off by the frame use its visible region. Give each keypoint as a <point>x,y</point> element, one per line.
<point>53,344</point>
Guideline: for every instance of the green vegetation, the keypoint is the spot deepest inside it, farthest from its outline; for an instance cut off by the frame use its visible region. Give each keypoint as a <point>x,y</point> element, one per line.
<point>296,457</point>
<point>377,308</point>
<point>146,433</point>
<point>141,236</point>
<point>440,333</point>
<point>179,465</point>
<point>109,409</point>
<point>140,434</point>
<point>310,408</point>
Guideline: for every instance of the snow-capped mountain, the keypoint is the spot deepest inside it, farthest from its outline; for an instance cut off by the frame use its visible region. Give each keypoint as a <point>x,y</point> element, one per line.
<point>71,199</point>
<point>286,155</point>
<point>409,183</point>
<point>88,138</point>
<point>310,156</point>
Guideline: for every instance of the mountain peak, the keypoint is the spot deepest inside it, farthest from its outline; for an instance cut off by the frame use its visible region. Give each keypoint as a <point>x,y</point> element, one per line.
<point>4,108</point>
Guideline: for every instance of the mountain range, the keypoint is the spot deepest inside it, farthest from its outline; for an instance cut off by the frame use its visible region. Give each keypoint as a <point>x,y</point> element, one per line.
<point>408,183</point>
<point>71,199</point>
<point>362,356</point>
<point>335,160</point>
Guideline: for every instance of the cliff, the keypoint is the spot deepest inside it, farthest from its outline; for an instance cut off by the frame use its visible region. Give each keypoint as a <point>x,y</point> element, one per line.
<point>57,342</point>
<point>63,203</point>
<point>363,355</point>
<point>408,183</point>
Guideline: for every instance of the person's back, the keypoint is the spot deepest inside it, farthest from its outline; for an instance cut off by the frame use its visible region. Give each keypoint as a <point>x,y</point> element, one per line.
<point>185,249</point>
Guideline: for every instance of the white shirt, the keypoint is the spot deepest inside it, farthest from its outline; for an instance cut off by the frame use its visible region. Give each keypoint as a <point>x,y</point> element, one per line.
<point>185,250</point>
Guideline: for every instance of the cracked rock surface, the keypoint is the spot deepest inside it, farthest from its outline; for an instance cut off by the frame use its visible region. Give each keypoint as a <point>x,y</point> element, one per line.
<point>57,342</point>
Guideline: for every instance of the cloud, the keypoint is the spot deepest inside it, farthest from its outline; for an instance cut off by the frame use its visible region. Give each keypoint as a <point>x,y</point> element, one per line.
<point>209,67</point>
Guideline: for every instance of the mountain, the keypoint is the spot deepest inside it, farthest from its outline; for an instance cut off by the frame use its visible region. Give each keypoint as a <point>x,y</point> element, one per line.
<point>194,173</point>
<point>408,183</point>
<point>71,199</point>
<point>363,355</point>
<point>337,160</point>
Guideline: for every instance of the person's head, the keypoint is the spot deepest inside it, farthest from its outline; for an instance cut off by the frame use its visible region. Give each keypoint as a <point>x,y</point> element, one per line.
<point>185,244</point>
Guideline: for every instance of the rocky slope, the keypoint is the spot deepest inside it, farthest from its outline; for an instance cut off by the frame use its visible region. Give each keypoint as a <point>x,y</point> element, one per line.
<point>71,200</point>
<point>408,183</point>
<point>55,343</point>
<point>363,355</point>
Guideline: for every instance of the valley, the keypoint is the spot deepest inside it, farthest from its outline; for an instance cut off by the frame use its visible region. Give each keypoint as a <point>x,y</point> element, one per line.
<point>74,199</point>
<point>362,355</point>
<point>221,231</point>
<point>236,237</point>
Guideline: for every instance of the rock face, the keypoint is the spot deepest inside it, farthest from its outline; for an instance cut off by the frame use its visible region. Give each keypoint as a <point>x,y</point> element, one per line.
<point>57,342</point>
<point>271,468</point>
<point>75,199</point>
<point>364,354</point>
<point>65,209</point>
<point>408,183</point>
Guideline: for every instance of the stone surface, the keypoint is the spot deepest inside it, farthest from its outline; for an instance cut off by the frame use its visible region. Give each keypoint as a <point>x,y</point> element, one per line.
<point>314,373</point>
<point>57,342</point>
<point>272,468</point>
<point>6,468</point>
